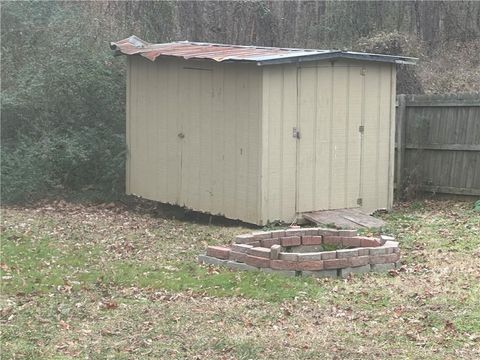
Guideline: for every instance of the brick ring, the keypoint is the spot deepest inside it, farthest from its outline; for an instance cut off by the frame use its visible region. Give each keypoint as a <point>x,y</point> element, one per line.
<point>307,251</point>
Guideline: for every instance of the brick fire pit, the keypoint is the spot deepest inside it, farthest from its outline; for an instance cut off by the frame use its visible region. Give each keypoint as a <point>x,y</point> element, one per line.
<point>307,251</point>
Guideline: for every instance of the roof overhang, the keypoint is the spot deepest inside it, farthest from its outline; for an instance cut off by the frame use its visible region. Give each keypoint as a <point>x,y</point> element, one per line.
<point>261,56</point>
<point>332,55</point>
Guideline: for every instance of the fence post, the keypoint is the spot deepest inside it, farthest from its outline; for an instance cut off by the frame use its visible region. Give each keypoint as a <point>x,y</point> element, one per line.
<point>400,129</point>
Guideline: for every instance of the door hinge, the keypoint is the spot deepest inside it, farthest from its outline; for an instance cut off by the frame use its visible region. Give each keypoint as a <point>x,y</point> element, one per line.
<point>296,133</point>
<point>359,201</point>
<point>361,129</point>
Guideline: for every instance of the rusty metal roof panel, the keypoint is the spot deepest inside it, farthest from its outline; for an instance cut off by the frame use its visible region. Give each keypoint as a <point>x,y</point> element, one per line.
<point>256,54</point>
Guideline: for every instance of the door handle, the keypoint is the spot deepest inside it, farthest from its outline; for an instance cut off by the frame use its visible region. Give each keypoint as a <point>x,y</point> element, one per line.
<point>181,135</point>
<point>296,133</point>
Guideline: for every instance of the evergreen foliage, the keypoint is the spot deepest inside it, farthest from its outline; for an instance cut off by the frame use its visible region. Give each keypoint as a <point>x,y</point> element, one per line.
<point>63,94</point>
<point>62,105</point>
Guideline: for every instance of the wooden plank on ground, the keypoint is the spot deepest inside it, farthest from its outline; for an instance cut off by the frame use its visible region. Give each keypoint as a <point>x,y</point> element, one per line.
<point>344,218</point>
<point>361,218</point>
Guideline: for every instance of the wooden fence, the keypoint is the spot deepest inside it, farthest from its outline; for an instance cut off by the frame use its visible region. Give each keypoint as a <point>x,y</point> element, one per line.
<point>438,143</point>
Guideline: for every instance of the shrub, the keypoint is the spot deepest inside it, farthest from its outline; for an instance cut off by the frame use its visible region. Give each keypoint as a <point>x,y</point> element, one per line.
<point>62,105</point>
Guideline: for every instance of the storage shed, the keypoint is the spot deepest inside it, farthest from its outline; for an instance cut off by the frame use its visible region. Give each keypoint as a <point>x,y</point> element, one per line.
<point>256,133</point>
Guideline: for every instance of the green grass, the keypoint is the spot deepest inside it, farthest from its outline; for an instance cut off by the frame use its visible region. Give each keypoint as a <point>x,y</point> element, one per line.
<point>223,282</point>
<point>39,266</point>
<point>114,283</point>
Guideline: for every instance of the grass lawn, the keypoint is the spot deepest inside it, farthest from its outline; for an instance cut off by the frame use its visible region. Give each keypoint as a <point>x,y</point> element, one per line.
<point>107,282</point>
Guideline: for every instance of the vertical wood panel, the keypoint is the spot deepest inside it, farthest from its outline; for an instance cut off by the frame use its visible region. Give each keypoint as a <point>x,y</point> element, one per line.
<point>279,117</point>
<point>275,143</point>
<point>205,155</point>
<point>218,139</point>
<point>435,121</point>
<point>252,130</point>
<point>215,167</point>
<point>171,118</point>
<point>338,154</point>
<point>230,141</point>
<point>324,116</point>
<point>376,139</point>
<point>383,141</point>
<point>391,172</point>
<point>139,146</point>
<point>128,109</point>
<point>329,150</point>
<point>353,136</point>
<point>307,124</point>
<point>288,148</point>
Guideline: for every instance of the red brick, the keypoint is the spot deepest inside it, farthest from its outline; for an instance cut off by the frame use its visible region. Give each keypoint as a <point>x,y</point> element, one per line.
<point>347,233</point>
<point>335,263</point>
<point>256,261</point>
<point>240,247</point>
<point>291,241</point>
<point>219,252</point>
<point>244,239</point>
<point>369,241</point>
<point>288,256</point>
<point>312,240</point>
<point>328,255</point>
<point>391,246</point>
<point>310,265</point>
<point>275,251</point>
<point>329,232</point>
<point>283,265</point>
<point>384,259</point>
<point>310,231</point>
<point>237,256</point>
<point>278,233</point>
<point>268,243</point>
<point>260,252</point>
<point>358,261</point>
<point>260,235</point>
<point>346,253</point>
<point>332,240</point>
<point>362,251</point>
<point>294,232</point>
<point>351,241</point>
<point>310,256</point>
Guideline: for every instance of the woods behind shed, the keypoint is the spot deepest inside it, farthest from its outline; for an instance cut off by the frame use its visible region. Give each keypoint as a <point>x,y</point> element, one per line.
<point>259,134</point>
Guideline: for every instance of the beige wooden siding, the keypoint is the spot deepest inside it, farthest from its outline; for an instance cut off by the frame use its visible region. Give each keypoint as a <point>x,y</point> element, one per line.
<point>329,149</point>
<point>278,145</point>
<point>331,166</point>
<point>376,181</point>
<point>213,166</point>
<point>391,160</point>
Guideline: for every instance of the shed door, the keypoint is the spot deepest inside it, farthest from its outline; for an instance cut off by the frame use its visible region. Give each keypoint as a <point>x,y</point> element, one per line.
<point>329,149</point>
<point>195,137</point>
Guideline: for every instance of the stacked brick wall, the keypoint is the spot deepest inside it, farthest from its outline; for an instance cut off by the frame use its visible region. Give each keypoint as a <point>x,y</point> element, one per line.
<point>307,251</point>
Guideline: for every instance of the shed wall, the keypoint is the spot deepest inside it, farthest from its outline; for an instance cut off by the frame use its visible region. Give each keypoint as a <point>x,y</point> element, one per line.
<point>236,155</point>
<point>193,135</point>
<point>332,165</point>
<point>378,140</point>
<point>279,157</point>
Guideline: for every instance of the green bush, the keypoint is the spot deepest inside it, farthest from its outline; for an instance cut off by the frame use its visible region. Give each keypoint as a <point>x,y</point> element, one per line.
<point>58,161</point>
<point>62,105</point>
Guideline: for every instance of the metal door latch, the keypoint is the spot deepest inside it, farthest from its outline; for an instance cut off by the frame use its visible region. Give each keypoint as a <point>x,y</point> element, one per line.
<point>296,133</point>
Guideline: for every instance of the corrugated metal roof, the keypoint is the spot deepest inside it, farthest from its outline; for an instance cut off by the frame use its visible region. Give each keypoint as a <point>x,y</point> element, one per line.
<point>231,53</point>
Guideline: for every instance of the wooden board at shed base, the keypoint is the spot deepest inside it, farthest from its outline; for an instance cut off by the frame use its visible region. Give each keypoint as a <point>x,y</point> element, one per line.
<point>344,219</point>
